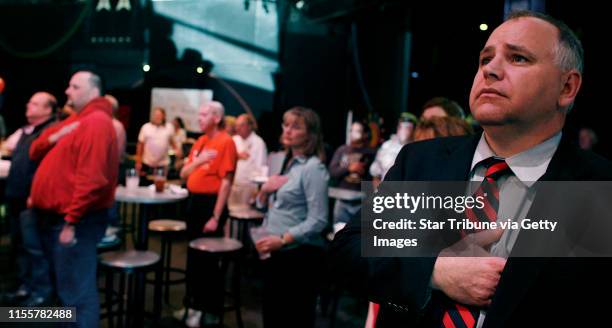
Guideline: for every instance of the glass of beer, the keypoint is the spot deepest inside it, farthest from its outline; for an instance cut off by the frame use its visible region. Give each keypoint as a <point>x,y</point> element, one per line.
<point>159,179</point>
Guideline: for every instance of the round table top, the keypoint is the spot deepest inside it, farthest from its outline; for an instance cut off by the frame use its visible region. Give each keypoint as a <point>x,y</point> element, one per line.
<point>145,195</point>
<point>216,245</point>
<point>167,225</point>
<point>129,259</point>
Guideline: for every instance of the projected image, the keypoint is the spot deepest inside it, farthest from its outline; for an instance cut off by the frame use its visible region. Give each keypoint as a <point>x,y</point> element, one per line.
<point>241,40</point>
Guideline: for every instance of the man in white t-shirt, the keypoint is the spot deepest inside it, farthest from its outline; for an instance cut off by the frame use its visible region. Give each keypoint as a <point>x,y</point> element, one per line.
<point>154,141</point>
<point>252,157</point>
<point>252,151</point>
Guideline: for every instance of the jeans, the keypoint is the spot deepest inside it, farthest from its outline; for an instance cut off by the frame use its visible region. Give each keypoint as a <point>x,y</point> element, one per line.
<point>75,266</point>
<point>113,215</point>
<point>33,265</point>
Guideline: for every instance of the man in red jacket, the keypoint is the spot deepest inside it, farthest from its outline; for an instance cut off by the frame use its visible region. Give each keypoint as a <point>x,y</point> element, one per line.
<point>72,190</point>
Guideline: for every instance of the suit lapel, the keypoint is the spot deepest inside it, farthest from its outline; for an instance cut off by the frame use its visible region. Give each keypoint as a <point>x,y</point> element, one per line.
<point>520,274</point>
<point>457,161</point>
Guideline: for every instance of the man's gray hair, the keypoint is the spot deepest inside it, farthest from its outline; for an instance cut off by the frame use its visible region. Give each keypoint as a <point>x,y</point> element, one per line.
<point>217,108</point>
<point>569,53</point>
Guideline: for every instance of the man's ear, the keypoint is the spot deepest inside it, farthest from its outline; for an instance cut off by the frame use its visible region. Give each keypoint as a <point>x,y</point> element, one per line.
<point>572,81</point>
<point>218,119</point>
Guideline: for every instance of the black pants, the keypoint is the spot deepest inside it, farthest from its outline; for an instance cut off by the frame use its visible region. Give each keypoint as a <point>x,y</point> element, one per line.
<point>205,282</point>
<point>15,206</point>
<point>200,209</point>
<point>291,285</point>
<point>148,170</point>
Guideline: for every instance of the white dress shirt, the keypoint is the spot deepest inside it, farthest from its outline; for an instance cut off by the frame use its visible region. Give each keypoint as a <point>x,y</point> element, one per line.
<point>527,167</point>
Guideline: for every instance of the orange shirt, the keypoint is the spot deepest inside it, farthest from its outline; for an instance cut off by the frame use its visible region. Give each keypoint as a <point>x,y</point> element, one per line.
<point>206,179</point>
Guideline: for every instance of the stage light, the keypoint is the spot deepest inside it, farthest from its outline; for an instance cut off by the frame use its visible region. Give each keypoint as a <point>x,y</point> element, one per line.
<point>146,67</point>
<point>484,27</point>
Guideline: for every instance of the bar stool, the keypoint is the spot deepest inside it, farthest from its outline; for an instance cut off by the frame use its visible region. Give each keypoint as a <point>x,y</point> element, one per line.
<point>242,217</point>
<point>168,229</point>
<point>135,264</point>
<point>102,247</point>
<point>220,251</point>
<point>107,246</point>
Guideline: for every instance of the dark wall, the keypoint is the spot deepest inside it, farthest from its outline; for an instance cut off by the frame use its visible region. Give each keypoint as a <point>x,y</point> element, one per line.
<point>32,56</point>
<point>42,45</point>
<point>592,108</point>
<point>312,73</point>
<point>317,67</point>
<point>446,41</point>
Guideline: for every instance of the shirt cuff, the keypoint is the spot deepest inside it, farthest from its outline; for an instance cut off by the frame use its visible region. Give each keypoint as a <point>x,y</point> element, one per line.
<point>297,234</point>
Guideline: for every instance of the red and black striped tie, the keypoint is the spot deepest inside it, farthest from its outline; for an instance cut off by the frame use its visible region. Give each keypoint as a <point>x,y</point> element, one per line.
<point>489,191</point>
<point>458,315</point>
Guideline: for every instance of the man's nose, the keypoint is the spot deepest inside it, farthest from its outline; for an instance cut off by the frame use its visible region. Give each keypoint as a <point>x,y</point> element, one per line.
<point>494,69</point>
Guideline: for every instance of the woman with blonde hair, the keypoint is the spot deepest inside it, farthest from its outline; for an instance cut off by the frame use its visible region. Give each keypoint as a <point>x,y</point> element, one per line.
<point>296,216</point>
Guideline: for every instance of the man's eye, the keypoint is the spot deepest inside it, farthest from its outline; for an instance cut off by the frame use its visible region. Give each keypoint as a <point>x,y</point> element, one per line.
<point>519,59</point>
<point>485,60</point>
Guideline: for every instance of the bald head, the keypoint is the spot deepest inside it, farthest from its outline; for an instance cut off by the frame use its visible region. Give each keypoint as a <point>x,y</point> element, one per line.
<point>40,107</point>
<point>84,86</point>
<point>211,115</point>
<point>245,124</point>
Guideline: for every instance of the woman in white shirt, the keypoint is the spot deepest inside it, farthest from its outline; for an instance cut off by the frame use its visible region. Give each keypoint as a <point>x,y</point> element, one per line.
<point>180,135</point>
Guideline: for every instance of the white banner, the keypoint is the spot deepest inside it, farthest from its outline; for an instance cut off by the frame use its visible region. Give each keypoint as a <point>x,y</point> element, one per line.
<point>183,103</point>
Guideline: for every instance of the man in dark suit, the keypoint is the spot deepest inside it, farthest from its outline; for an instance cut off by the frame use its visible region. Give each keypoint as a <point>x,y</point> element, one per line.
<point>530,71</point>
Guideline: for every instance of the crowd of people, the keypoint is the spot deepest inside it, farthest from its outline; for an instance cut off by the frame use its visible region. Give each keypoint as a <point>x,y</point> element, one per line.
<point>64,171</point>
<point>45,227</point>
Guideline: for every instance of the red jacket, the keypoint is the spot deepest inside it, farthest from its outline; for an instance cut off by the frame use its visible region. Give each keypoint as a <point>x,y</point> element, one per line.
<point>41,145</point>
<point>78,174</point>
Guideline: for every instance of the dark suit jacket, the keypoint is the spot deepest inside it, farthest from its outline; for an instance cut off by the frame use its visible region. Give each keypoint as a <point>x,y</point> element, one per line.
<point>533,292</point>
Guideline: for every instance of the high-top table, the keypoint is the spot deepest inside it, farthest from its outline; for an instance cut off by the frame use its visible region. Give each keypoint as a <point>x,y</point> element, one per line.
<point>145,197</point>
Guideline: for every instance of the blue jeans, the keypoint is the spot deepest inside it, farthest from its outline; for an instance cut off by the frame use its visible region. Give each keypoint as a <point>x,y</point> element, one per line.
<point>113,215</point>
<point>33,264</point>
<point>75,266</point>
